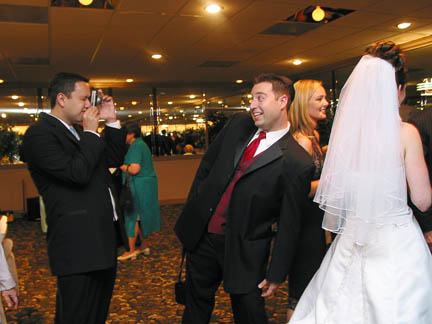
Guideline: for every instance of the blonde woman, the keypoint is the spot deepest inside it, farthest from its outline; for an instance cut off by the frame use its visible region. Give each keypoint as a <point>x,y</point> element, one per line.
<point>309,106</point>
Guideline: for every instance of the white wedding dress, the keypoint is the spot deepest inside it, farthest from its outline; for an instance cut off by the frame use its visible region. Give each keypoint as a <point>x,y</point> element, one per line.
<point>387,282</point>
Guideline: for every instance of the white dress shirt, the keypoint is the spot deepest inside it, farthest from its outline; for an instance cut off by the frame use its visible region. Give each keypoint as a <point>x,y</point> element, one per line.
<point>271,138</point>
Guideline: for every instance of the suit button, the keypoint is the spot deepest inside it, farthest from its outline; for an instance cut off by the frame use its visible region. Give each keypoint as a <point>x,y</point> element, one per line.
<point>211,209</point>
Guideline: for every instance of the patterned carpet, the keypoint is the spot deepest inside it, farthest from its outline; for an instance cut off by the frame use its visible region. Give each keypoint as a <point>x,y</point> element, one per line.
<point>143,291</point>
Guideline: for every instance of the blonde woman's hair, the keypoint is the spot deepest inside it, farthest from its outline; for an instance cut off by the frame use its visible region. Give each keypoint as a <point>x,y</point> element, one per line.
<point>298,113</point>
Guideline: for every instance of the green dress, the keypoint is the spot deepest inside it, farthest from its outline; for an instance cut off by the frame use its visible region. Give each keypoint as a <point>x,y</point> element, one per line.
<point>144,188</point>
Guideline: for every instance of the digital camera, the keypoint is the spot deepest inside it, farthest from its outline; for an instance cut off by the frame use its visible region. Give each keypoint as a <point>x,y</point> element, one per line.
<point>95,98</point>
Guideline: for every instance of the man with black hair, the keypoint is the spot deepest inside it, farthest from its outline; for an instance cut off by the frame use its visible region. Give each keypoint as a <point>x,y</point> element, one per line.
<point>249,190</point>
<point>69,165</point>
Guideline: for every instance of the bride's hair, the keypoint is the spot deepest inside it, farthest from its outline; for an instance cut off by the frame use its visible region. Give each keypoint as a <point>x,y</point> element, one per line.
<point>389,51</point>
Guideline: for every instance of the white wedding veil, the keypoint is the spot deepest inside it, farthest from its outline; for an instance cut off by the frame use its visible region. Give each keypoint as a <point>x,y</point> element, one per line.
<point>362,185</point>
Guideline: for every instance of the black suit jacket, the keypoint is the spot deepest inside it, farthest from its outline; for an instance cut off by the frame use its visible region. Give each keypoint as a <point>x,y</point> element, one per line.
<point>273,190</point>
<point>422,119</point>
<point>72,177</point>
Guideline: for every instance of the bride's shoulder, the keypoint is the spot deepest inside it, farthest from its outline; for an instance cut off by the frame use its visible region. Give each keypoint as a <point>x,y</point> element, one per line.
<point>409,131</point>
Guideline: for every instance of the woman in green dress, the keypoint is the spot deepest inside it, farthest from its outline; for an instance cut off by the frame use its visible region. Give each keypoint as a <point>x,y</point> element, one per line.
<point>145,216</point>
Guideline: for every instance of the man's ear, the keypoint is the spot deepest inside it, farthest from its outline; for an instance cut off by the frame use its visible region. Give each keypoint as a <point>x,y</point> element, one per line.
<point>284,100</point>
<point>61,99</point>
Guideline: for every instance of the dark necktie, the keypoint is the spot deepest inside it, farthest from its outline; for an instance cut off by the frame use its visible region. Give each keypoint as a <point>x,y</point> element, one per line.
<point>252,147</point>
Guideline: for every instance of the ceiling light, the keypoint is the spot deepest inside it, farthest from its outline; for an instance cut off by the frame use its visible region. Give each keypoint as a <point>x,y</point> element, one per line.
<point>31,115</point>
<point>220,102</point>
<point>129,116</point>
<point>404,25</point>
<point>213,8</point>
<point>297,62</point>
<point>192,96</point>
<point>197,106</point>
<point>170,117</point>
<point>25,108</point>
<point>129,80</point>
<point>239,81</point>
<point>134,103</point>
<point>21,104</point>
<point>318,14</point>
<point>140,112</point>
<point>249,96</point>
<point>181,111</point>
<point>1,81</point>
<point>3,115</point>
<point>86,2</point>
<point>170,102</point>
<point>14,97</point>
<point>156,56</point>
<point>200,120</point>
<point>121,108</point>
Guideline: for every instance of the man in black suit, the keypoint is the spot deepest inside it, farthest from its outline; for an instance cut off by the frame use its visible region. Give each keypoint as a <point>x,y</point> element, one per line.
<point>69,165</point>
<point>249,190</point>
<point>422,119</point>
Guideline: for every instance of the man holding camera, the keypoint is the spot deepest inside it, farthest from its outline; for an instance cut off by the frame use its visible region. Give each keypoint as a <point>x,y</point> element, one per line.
<point>69,165</point>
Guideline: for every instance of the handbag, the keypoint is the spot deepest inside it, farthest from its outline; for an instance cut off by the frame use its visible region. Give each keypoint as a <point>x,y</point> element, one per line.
<point>180,285</point>
<point>126,199</point>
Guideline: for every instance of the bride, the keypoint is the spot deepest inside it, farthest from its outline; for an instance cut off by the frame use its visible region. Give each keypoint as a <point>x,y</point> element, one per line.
<point>379,268</point>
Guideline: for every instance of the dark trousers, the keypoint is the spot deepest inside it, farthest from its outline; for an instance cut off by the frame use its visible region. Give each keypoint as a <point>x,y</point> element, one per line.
<point>84,297</point>
<point>204,273</point>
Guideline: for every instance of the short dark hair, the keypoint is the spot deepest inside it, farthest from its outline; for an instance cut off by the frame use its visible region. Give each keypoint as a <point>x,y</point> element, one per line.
<point>133,128</point>
<point>65,83</point>
<point>280,84</point>
<point>389,51</point>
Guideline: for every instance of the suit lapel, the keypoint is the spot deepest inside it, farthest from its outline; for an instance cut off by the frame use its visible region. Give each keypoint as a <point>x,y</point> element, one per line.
<point>60,127</point>
<point>242,143</point>
<point>272,153</point>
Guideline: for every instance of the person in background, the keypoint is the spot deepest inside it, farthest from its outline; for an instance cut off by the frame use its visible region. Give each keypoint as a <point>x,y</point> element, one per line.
<point>309,106</point>
<point>189,149</point>
<point>145,216</point>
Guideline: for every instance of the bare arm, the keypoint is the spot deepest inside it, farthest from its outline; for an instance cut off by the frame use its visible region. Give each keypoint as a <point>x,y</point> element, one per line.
<point>415,167</point>
<point>133,168</point>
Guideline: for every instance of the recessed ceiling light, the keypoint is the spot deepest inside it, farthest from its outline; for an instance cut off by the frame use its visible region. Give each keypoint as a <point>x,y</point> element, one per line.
<point>21,104</point>
<point>156,56</point>
<point>129,80</point>
<point>3,115</point>
<point>134,103</point>
<point>404,25</point>
<point>192,96</point>
<point>86,2</point>
<point>297,62</point>
<point>170,102</point>
<point>121,108</point>
<point>213,8</point>
<point>1,81</point>
<point>239,81</point>
<point>14,97</point>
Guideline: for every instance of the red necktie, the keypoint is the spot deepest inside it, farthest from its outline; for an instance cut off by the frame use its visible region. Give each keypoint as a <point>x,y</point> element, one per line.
<point>252,147</point>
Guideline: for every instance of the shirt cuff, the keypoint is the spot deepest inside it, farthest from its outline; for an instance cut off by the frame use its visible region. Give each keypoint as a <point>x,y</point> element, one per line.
<point>89,131</point>
<point>115,124</point>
